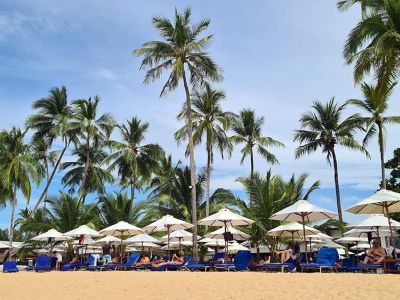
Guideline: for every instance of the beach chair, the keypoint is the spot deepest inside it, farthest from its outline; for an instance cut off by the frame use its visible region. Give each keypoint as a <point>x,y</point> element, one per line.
<point>370,267</point>
<point>10,267</point>
<point>78,265</point>
<point>240,262</point>
<point>43,263</point>
<point>172,266</point>
<point>130,264</point>
<point>326,259</point>
<point>196,267</point>
<point>283,267</point>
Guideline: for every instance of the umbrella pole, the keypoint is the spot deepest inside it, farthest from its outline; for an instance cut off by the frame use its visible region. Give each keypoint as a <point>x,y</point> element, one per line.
<point>390,225</point>
<point>180,245</point>
<point>304,236</point>
<point>142,247</point>
<point>169,254</point>
<point>357,253</point>
<point>226,243</point>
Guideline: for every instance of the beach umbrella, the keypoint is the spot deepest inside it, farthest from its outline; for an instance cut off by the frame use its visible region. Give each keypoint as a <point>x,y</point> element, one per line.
<point>364,232</point>
<point>352,240</point>
<point>168,223</point>
<point>4,246</point>
<point>213,242</point>
<point>321,236</point>
<point>292,229</point>
<point>360,246</point>
<point>382,202</point>
<point>146,245</point>
<point>224,217</point>
<point>234,247</point>
<point>179,236</point>
<point>219,234</point>
<point>107,239</point>
<point>141,239</point>
<point>83,230</point>
<point>176,245</point>
<point>303,211</point>
<point>377,222</point>
<point>51,236</point>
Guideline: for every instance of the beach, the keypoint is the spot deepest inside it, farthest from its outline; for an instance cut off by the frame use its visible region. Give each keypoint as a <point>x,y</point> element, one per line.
<point>186,285</point>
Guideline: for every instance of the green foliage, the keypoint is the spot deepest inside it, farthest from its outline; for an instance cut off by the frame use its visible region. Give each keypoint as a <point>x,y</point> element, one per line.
<point>393,183</point>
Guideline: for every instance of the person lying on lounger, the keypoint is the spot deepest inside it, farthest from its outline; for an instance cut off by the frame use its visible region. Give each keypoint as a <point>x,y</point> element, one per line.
<point>144,260</point>
<point>177,259</point>
<point>287,255</point>
<point>376,254</point>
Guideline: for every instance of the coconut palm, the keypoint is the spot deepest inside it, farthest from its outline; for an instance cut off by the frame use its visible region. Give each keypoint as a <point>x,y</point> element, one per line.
<point>94,131</point>
<point>375,103</point>
<point>324,128</point>
<point>115,207</point>
<point>18,169</point>
<point>165,173</point>
<point>52,121</point>
<point>183,53</point>
<point>211,123</point>
<point>366,5</point>
<point>96,175</point>
<point>373,44</point>
<point>247,130</point>
<point>133,159</point>
<point>268,195</point>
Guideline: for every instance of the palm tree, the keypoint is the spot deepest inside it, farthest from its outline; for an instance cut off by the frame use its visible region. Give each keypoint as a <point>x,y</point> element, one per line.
<point>96,175</point>
<point>325,128</point>
<point>165,173</point>
<point>119,207</point>
<point>130,157</point>
<point>52,121</point>
<point>94,131</point>
<point>248,131</point>
<point>268,195</point>
<point>211,123</point>
<point>373,44</point>
<point>18,169</point>
<point>375,102</point>
<point>366,5</point>
<point>183,53</point>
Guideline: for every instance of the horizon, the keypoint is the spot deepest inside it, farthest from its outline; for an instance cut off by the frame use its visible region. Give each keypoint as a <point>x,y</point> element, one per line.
<point>297,58</point>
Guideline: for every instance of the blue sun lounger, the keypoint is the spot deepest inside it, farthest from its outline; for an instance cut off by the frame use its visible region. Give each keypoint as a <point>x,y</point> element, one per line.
<point>370,267</point>
<point>10,267</point>
<point>43,263</point>
<point>326,259</point>
<point>79,265</point>
<point>130,264</point>
<point>173,267</point>
<point>240,262</point>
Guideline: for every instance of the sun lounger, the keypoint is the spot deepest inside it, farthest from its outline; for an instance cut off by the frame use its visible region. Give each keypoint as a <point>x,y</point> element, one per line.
<point>370,267</point>
<point>326,259</point>
<point>78,265</point>
<point>271,267</point>
<point>10,267</point>
<point>130,264</point>
<point>196,267</point>
<point>172,266</point>
<point>43,263</point>
<point>240,262</point>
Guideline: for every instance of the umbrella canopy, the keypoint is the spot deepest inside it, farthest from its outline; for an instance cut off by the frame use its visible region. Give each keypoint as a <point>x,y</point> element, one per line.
<point>51,234</point>
<point>225,217</point>
<point>83,230</point>
<point>234,247</point>
<point>303,211</point>
<point>179,235</point>
<point>86,241</point>
<point>213,242</point>
<point>320,236</point>
<point>121,228</point>
<point>376,221</point>
<point>4,246</point>
<point>352,240</point>
<point>176,245</point>
<point>130,249</point>
<point>145,245</point>
<point>329,244</point>
<point>141,238</point>
<point>292,229</point>
<point>167,223</point>
<point>360,246</point>
<point>107,239</point>
<point>219,234</point>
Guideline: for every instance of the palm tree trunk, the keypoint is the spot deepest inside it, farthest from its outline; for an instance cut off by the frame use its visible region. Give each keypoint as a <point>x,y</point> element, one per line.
<point>133,187</point>
<point>11,234</point>
<point>47,179</point>
<point>192,166</point>
<point>251,163</point>
<point>382,154</point>
<point>208,181</point>
<point>82,188</point>
<point>335,168</point>
<point>51,176</point>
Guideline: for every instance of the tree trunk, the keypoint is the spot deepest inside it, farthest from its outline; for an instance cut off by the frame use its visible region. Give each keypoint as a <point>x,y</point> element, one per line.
<point>382,154</point>
<point>47,179</point>
<point>208,181</point>
<point>51,176</point>
<point>192,166</point>
<point>335,168</point>
<point>133,187</point>
<point>11,235</point>
<point>82,188</point>
<point>251,163</point>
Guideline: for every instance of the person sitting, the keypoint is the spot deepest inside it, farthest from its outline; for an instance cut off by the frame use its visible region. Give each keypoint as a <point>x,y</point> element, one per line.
<point>115,260</point>
<point>176,259</point>
<point>144,260</point>
<point>107,250</point>
<point>287,255</point>
<point>376,254</point>
<point>58,261</point>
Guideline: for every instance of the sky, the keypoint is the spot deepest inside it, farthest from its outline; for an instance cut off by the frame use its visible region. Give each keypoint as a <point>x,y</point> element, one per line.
<point>277,57</point>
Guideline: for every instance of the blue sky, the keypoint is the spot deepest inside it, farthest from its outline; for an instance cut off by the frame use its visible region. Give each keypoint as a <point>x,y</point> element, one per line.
<point>277,57</point>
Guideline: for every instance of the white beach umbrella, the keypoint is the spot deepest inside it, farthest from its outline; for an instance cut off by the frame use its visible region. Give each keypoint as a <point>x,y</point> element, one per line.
<point>382,202</point>
<point>131,249</point>
<point>213,242</point>
<point>146,245</point>
<point>234,247</point>
<point>292,229</point>
<point>377,222</point>
<point>224,217</point>
<point>303,211</point>
<point>121,228</point>
<point>352,240</point>
<point>141,239</point>
<point>179,236</point>
<point>168,223</point>
<point>360,246</point>
<point>364,232</point>
<point>107,239</point>
<point>52,234</point>
<point>219,234</point>
<point>4,246</point>
<point>177,245</point>
<point>320,236</point>
<point>83,230</point>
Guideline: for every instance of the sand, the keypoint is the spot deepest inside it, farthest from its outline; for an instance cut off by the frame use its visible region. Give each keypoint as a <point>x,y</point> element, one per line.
<point>186,285</point>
